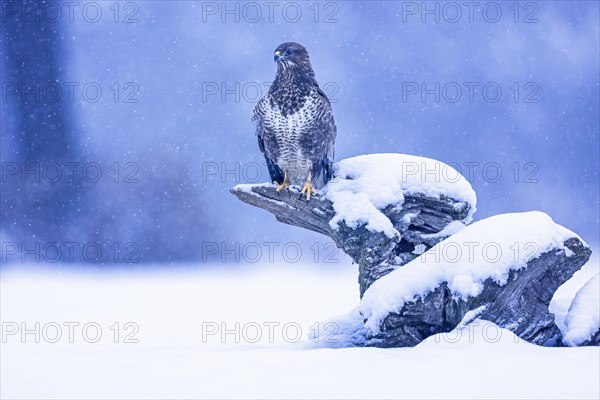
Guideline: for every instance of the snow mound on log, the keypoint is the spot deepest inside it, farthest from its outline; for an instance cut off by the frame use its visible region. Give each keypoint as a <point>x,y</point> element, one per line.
<point>365,185</point>
<point>489,248</point>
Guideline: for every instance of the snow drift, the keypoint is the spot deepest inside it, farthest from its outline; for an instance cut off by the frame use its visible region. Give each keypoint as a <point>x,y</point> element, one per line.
<point>583,319</point>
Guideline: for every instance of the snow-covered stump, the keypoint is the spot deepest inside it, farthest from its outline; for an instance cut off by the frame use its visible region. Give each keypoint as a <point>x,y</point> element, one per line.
<point>400,218</point>
<point>380,209</point>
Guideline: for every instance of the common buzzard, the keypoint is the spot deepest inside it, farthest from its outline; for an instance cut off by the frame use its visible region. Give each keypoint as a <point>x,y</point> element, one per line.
<point>295,126</point>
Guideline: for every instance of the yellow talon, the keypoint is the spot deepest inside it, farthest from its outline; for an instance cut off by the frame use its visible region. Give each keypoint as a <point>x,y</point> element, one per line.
<point>308,187</point>
<point>284,185</point>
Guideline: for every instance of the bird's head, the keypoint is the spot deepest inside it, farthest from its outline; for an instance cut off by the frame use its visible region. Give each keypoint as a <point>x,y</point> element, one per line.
<point>291,55</point>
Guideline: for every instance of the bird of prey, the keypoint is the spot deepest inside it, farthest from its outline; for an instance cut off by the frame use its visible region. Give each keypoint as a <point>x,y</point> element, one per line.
<point>294,124</point>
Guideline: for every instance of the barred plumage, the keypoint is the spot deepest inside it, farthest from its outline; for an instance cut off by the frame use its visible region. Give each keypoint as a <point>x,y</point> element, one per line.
<point>295,126</point>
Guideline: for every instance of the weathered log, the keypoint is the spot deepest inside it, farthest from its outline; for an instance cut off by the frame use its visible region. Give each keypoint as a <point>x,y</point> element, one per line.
<point>417,220</point>
<point>521,305</point>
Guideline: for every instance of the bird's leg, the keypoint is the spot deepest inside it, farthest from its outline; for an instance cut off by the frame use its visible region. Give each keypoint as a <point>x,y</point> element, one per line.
<point>308,188</point>
<point>285,184</point>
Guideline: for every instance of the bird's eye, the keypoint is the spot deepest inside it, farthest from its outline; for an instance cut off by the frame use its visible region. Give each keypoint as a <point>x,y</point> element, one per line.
<point>288,52</point>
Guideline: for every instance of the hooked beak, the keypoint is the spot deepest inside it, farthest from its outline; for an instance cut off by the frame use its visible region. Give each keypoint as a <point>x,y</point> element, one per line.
<point>277,56</point>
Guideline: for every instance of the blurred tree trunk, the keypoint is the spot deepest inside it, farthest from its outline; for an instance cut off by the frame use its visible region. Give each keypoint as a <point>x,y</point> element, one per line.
<point>38,129</point>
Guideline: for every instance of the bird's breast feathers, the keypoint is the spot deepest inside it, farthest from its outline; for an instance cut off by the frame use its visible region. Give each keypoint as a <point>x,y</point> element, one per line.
<point>289,116</point>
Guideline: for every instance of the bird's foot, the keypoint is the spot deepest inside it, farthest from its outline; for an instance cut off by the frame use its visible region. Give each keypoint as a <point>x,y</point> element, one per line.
<point>284,185</point>
<point>308,188</point>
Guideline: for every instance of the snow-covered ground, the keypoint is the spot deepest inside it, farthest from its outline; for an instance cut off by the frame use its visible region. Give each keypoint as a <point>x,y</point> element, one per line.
<point>176,344</point>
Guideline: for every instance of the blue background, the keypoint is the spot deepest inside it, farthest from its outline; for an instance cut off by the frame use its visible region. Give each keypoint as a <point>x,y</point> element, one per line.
<point>182,136</point>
